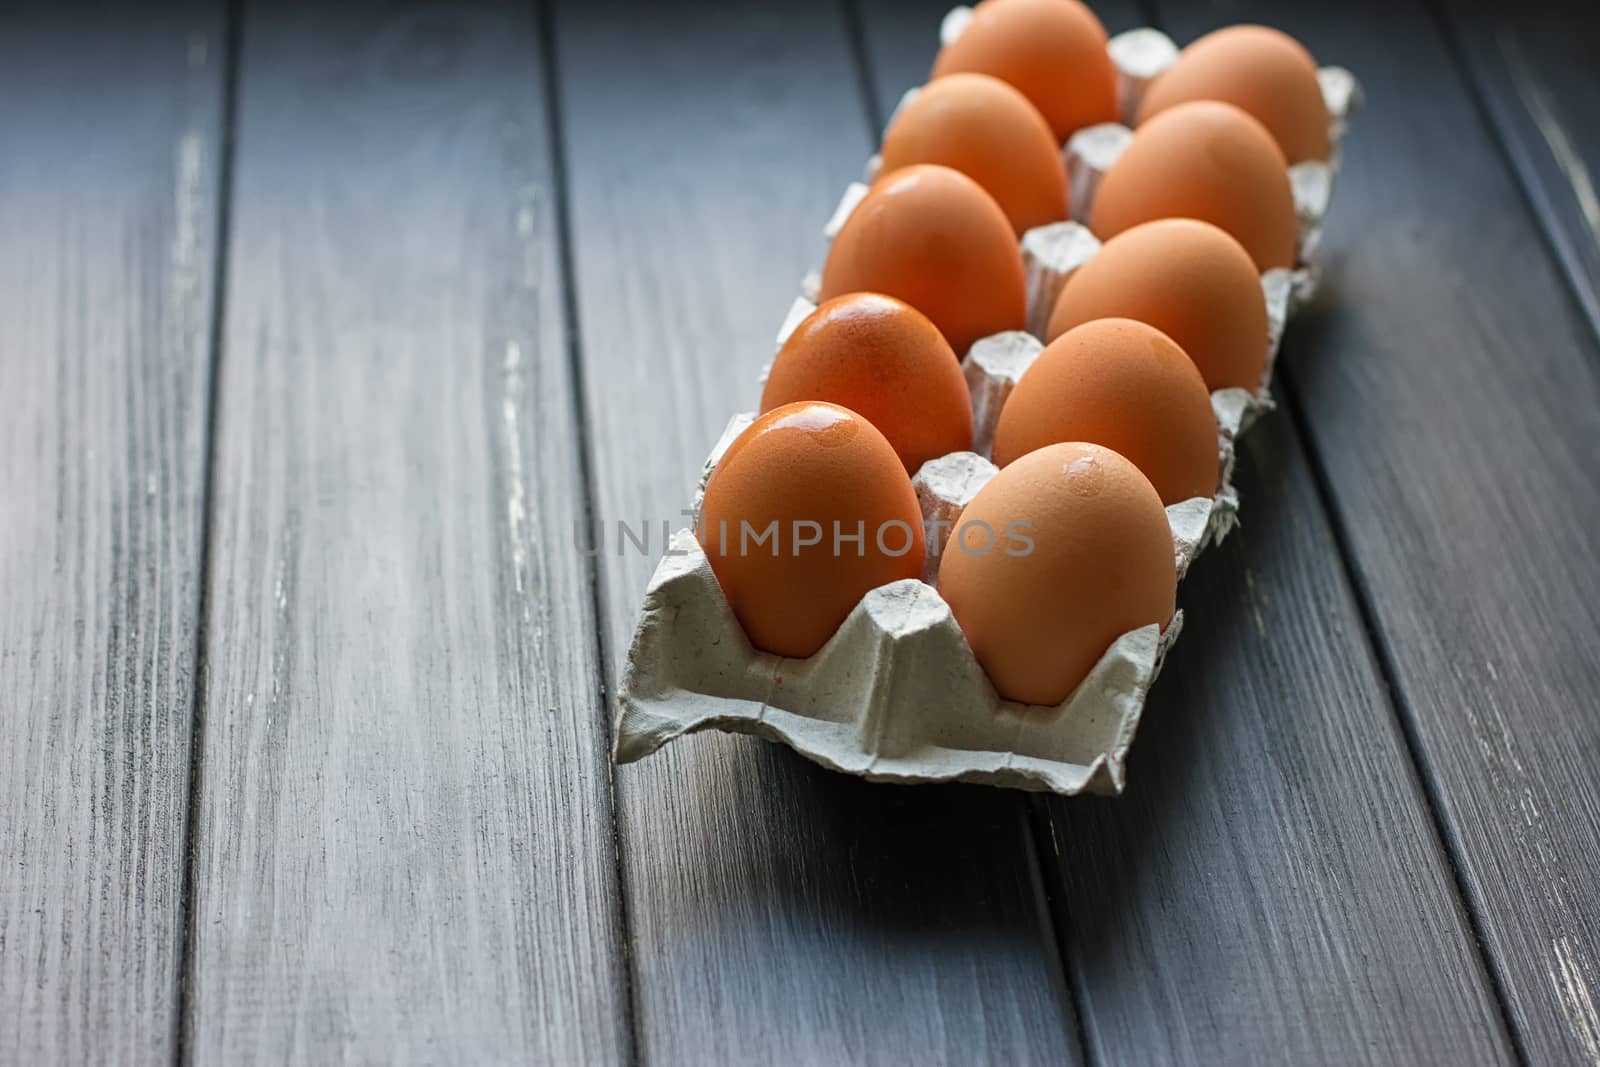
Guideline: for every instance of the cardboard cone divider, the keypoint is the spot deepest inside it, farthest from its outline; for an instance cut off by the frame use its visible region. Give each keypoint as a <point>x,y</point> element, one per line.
<point>896,694</point>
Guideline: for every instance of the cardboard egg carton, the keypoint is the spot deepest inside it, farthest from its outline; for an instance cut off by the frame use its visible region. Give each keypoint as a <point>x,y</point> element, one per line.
<point>896,693</point>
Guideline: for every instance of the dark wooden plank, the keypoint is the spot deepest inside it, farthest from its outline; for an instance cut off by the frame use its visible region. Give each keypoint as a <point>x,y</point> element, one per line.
<point>1270,889</point>
<point>778,912</point>
<point>1452,396</point>
<point>404,839</point>
<point>1533,64</point>
<point>108,211</point>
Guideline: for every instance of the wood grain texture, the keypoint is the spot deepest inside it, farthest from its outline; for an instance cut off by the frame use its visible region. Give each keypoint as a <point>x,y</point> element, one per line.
<point>108,205</point>
<point>1452,394</point>
<point>404,840</point>
<point>1270,889</point>
<point>778,912</point>
<point>1533,65</point>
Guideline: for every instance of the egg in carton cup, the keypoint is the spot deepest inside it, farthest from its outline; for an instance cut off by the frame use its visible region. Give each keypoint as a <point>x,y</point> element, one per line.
<point>896,693</point>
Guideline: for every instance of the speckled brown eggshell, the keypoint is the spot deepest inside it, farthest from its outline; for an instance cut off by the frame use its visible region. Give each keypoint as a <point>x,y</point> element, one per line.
<point>1053,51</point>
<point>882,359</point>
<point>1100,565</point>
<point>988,131</point>
<point>1188,279</point>
<point>1127,386</point>
<point>1264,71</point>
<point>818,463</point>
<point>930,236</point>
<point>1203,160</point>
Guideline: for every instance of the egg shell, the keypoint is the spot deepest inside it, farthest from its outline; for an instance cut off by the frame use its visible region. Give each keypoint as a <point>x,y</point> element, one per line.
<point>1188,279</point>
<point>1100,565</point>
<point>884,360</point>
<point>1127,386</point>
<point>930,236</point>
<point>818,463</point>
<point>1053,51</point>
<point>988,131</point>
<point>1265,72</point>
<point>1203,160</point>
<point>896,695</point>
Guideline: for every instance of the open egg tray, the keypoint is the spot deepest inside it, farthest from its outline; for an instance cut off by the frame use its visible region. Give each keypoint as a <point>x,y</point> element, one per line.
<point>896,693</point>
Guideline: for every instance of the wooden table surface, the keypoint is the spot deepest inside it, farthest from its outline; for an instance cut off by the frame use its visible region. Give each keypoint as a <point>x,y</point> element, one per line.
<point>323,330</point>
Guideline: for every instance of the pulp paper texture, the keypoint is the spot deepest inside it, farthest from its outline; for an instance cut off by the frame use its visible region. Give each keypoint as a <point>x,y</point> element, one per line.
<point>896,694</point>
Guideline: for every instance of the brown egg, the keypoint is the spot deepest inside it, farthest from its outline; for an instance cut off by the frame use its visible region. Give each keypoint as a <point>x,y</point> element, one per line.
<point>988,131</point>
<point>1090,560</point>
<point>1203,160</point>
<point>808,511</point>
<point>932,237</point>
<point>885,361</point>
<point>1124,385</point>
<point>1264,71</point>
<point>1189,280</point>
<point>1054,51</point>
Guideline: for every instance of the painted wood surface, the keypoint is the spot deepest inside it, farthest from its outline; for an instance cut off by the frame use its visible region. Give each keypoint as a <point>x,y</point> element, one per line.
<point>1271,888</point>
<point>404,840</point>
<point>1451,389</point>
<point>1532,67</point>
<point>487,269</point>
<point>108,229</point>
<point>1235,904</point>
<point>777,912</point>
